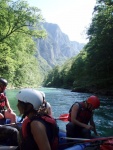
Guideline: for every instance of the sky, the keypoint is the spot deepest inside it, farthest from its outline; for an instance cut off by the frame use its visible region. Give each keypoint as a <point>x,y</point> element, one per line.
<point>72,16</point>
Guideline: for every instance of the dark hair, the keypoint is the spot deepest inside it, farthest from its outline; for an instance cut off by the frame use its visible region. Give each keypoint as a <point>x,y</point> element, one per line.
<point>27,107</point>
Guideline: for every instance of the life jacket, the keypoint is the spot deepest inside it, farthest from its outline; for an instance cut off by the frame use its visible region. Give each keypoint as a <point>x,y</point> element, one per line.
<point>2,100</point>
<point>107,145</point>
<point>84,115</point>
<point>52,131</point>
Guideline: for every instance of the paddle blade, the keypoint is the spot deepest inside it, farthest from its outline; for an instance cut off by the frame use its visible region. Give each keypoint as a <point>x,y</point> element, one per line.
<point>63,117</point>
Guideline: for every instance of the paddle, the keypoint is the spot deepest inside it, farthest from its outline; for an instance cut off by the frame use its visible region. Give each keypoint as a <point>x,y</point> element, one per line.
<point>88,140</point>
<point>74,143</point>
<point>3,147</point>
<point>17,123</point>
<point>63,117</point>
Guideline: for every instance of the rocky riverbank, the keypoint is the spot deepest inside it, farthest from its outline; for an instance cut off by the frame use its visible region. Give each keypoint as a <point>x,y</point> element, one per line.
<point>106,92</point>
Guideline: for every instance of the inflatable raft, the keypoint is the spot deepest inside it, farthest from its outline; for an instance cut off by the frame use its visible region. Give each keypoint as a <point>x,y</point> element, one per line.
<point>64,144</point>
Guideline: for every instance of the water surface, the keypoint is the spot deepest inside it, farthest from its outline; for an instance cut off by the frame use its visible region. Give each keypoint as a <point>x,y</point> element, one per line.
<point>61,101</point>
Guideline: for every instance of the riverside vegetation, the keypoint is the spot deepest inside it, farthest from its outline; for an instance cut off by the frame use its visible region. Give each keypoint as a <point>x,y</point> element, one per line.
<point>90,71</point>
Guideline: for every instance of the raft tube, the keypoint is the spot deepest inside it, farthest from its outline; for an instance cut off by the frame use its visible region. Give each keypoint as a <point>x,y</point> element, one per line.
<point>63,144</point>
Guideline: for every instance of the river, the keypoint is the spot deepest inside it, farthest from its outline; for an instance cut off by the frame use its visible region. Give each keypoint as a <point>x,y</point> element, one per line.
<point>62,99</point>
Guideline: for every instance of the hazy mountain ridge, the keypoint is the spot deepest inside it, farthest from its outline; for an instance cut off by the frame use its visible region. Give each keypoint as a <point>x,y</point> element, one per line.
<point>56,47</point>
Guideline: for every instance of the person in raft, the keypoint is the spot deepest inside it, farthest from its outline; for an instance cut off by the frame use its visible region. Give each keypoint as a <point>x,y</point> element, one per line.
<point>5,110</point>
<point>47,105</point>
<point>49,109</point>
<point>80,118</point>
<point>39,130</point>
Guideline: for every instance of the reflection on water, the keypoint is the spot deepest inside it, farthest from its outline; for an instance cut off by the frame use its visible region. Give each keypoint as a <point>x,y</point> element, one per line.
<point>61,101</point>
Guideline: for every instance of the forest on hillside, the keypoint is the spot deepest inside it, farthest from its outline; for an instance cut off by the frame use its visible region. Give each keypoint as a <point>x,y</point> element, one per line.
<point>91,70</point>
<point>19,25</point>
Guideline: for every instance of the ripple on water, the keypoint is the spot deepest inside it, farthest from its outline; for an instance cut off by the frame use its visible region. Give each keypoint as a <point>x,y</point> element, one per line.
<point>61,101</point>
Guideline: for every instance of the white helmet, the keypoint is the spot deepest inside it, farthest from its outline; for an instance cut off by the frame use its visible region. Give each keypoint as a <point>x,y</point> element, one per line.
<point>31,96</point>
<point>43,94</point>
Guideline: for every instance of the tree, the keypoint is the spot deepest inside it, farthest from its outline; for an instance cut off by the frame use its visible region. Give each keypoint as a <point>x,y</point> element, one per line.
<point>20,25</point>
<point>19,17</point>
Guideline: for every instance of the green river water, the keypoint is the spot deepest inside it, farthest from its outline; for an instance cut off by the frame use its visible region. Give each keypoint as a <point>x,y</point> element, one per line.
<point>62,99</point>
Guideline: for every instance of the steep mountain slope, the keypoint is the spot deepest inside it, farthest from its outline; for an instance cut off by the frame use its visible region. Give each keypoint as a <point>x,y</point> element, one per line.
<point>56,48</point>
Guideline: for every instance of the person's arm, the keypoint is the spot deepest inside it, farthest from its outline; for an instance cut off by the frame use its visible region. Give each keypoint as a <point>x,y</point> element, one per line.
<point>94,128</point>
<point>39,133</point>
<point>8,105</point>
<point>74,113</point>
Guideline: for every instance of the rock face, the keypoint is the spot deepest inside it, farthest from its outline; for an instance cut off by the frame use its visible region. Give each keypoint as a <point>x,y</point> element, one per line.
<point>56,47</point>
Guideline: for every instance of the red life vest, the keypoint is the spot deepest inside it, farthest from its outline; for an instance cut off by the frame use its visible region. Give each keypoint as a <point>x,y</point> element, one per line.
<point>83,115</point>
<point>2,100</point>
<point>107,145</point>
<point>24,126</point>
<point>47,120</point>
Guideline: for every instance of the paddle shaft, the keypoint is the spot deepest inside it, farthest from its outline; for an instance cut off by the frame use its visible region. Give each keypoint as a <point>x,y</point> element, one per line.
<point>88,140</point>
<point>72,143</point>
<point>11,124</point>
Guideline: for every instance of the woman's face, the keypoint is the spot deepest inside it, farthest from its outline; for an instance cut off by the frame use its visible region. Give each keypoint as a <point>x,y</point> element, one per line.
<point>24,107</point>
<point>90,107</point>
<point>21,107</point>
<point>2,88</point>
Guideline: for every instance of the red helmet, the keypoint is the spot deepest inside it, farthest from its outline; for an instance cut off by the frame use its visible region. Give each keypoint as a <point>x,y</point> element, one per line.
<point>94,101</point>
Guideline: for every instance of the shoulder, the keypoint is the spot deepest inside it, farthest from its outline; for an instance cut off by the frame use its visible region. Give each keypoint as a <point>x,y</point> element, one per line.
<point>38,120</point>
<point>38,125</point>
<point>78,105</point>
<point>75,106</point>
